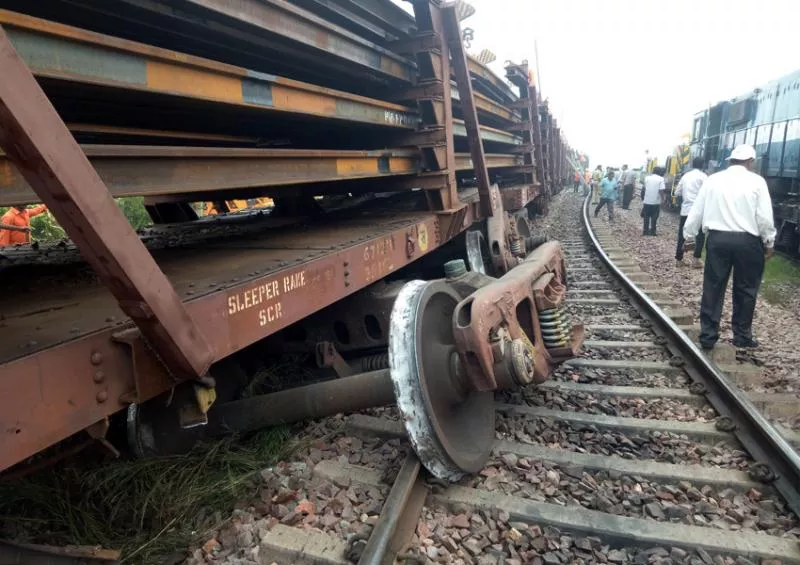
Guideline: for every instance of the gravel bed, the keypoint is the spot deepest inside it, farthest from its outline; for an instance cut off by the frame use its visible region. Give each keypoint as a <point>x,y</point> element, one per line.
<point>774,324</point>
<point>637,497</point>
<point>665,447</point>
<point>459,536</point>
<point>619,335</point>
<point>648,409</point>
<point>290,494</point>
<point>620,354</point>
<point>624,377</point>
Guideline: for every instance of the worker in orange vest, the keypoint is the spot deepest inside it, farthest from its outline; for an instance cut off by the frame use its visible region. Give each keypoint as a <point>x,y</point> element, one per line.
<point>15,225</point>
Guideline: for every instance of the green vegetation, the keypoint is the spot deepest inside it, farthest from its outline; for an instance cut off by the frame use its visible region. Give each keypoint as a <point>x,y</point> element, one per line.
<point>781,280</point>
<point>45,229</point>
<point>149,509</point>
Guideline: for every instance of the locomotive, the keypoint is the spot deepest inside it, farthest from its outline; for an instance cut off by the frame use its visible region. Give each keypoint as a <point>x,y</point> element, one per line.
<point>768,118</point>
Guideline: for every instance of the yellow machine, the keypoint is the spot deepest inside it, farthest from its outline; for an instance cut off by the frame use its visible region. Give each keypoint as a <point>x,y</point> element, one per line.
<point>238,205</point>
<point>677,164</point>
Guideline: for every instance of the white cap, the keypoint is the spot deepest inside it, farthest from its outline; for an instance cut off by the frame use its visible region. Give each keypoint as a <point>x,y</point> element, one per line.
<point>743,153</point>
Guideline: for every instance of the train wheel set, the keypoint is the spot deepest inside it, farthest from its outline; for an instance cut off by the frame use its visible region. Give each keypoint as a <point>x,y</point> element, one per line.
<point>392,157</point>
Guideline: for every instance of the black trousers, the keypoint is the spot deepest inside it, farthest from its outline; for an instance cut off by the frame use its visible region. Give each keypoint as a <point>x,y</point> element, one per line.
<point>744,254</point>
<point>699,242</point>
<point>577,186</point>
<point>651,213</point>
<point>627,196</point>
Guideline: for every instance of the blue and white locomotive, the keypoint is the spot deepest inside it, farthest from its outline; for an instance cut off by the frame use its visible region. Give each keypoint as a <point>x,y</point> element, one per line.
<point>769,119</point>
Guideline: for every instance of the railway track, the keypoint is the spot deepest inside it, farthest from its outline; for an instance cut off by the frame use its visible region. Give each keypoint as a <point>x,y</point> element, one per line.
<point>637,451</point>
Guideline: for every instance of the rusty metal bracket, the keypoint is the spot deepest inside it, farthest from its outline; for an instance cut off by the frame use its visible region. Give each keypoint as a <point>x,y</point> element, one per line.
<point>429,41</point>
<point>499,335</point>
<point>150,376</point>
<point>328,358</point>
<point>39,144</point>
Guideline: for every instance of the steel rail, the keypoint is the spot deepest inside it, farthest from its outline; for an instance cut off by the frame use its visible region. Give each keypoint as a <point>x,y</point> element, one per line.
<point>66,53</point>
<point>753,430</point>
<point>160,170</point>
<point>399,517</point>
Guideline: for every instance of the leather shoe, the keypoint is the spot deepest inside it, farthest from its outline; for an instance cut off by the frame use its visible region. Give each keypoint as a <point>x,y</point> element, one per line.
<point>748,343</point>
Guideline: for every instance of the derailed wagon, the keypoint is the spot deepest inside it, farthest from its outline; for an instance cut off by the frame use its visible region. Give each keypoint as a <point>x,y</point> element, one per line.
<point>390,155</point>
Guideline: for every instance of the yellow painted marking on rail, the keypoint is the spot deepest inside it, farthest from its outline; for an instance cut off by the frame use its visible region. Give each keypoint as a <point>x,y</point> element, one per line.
<point>402,164</point>
<point>194,82</point>
<point>306,102</point>
<point>361,166</point>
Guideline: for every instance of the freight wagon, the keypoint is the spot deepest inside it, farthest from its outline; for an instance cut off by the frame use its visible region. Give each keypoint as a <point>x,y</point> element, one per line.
<point>397,253</point>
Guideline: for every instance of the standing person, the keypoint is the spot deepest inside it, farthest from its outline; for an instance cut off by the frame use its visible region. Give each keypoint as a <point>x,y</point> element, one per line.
<point>587,181</point>
<point>688,189</point>
<point>597,176</point>
<point>651,200</point>
<point>15,225</point>
<point>628,182</point>
<point>609,192</point>
<point>577,179</point>
<point>735,210</point>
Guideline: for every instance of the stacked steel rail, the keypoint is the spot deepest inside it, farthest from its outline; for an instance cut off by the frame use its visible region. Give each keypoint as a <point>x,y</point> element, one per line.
<point>408,141</point>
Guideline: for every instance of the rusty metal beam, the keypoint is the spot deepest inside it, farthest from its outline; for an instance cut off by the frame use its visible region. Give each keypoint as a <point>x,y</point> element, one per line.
<point>208,172</point>
<point>458,54</point>
<point>41,147</point>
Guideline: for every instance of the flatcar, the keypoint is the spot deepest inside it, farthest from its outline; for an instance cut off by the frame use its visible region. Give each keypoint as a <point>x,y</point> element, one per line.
<point>388,153</point>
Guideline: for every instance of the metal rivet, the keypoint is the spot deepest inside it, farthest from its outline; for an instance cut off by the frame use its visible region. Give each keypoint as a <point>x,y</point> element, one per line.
<point>346,283</point>
<point>99,377</point>
<point>346,264</point>
<point>102,396</point>
<point>96,358</point>
<point>347,273</point>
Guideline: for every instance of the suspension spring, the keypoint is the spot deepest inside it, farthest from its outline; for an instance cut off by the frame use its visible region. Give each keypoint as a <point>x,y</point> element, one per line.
<point>556,327</point>
<point>516,247</point>
<point>375,362</point>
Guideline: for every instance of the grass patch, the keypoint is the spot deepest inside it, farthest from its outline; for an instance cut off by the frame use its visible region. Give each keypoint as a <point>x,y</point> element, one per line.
<point>148,509</point>
<point>781,280</point>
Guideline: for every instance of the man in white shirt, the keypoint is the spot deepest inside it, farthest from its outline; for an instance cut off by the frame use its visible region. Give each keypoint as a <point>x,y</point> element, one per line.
<point>651,200</point>
<point>734,209</point>
<point>628,182</point>
<point>688,189</point>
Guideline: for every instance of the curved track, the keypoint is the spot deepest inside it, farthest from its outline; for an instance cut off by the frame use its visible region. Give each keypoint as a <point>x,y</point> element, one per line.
<point>638,451</point>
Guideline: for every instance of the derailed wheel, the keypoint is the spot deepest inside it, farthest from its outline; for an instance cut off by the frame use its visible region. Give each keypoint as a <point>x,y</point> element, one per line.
<point>450,426</point>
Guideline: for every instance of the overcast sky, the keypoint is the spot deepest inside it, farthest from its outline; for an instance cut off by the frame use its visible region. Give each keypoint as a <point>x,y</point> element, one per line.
<point>624,76</point>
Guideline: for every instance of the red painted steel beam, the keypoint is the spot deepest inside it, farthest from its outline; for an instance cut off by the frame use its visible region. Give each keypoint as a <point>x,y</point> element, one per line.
<point>38,142</point>
<point>458,55</point>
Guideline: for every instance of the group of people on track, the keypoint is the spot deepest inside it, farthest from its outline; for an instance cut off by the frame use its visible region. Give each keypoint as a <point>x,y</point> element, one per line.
<point>728,214</point>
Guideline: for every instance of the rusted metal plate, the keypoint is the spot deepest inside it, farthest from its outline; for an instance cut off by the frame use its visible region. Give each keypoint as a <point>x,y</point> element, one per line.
<point>62,371</point>
<point>67,53</point>
<point>147,171</point>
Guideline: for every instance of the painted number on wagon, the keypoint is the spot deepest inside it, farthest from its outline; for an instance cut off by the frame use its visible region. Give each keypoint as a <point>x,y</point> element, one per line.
<point>378,259</point>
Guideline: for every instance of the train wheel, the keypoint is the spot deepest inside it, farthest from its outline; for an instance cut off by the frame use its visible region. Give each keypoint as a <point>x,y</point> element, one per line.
<point>450,426</point>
